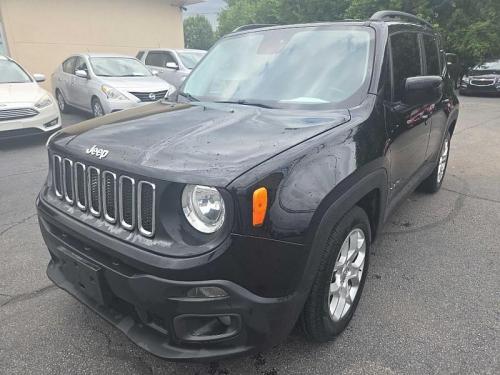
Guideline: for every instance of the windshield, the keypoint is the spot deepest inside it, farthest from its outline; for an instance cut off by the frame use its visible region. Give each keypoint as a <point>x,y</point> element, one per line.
<point>488,65</point>
<point>292,67</point>
<point>190,59</point>
<point>118,67</point>
<point>10,72</point>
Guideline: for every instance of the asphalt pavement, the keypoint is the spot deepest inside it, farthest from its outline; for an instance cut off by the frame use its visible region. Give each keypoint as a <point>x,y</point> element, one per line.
<point>431,304</point>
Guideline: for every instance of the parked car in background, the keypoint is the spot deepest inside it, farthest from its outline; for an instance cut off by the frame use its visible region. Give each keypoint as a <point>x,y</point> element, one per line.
<point>483,78</point>
<point>106,83</point>
<point>173,65</point>
<point>25,108</point>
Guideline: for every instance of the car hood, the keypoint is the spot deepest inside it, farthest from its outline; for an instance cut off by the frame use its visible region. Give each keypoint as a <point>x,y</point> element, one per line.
<point>208,144</point>
<point>11,93</point>
<point>141,84</point>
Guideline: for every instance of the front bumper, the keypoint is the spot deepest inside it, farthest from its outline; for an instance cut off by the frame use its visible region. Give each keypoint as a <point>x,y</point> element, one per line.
<point>156,312</point>
<point>48,120</point>
<point>472,89</point>
<point>111,106</point>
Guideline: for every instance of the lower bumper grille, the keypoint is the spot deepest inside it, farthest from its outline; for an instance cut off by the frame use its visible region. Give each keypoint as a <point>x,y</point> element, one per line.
<point>106,195</point>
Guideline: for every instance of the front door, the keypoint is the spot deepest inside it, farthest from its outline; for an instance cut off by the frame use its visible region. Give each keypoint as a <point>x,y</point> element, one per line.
<point>408,126</point>
<point>80,86</point>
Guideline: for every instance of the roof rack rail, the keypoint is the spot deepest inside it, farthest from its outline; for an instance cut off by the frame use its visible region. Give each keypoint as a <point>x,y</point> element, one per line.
<point>388,15</point>
<point>252,27</point>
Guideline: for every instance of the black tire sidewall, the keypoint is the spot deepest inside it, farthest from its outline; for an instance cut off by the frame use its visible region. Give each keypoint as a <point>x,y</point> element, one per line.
<point>325,328</point>
<point>94,102</point>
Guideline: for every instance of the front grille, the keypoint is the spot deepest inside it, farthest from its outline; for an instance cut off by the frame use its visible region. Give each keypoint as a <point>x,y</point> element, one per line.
<point>150,96</point>
<point>120,200</point>
<point>17,113</point>
<point>488,82</point>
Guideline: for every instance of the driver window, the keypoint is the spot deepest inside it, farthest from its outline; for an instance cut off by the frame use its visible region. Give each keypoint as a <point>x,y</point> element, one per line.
<point>406,61</point>
<point>81,65</point>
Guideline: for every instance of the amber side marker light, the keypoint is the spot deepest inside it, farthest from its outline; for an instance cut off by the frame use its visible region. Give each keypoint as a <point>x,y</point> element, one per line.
<point>259,206</point>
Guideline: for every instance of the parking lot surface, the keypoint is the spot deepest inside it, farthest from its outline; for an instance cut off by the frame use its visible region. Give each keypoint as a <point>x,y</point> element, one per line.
<point>431,303</point>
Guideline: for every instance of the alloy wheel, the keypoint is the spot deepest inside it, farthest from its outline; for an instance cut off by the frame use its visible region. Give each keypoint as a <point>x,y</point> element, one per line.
<point>443,160</point>
<point>347,274</point>
<point>97,109</point>
<point>60,102</point>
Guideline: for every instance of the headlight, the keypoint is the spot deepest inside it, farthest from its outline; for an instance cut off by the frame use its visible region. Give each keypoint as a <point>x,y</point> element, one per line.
<point>203,207</point>
<point>44,101</point>
<point>466,79</point>
<point>112,93</point>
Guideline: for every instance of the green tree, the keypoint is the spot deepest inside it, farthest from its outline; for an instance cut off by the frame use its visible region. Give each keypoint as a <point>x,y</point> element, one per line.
<point>470,28</point>
<point>198,33</point>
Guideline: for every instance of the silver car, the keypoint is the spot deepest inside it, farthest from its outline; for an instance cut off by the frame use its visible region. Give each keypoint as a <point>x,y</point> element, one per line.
<point>105,83</point>
<point>173,65</point>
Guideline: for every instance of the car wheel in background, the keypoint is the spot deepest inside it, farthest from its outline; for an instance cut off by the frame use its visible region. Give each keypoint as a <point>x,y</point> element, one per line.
<point>337,287</point>
<point>97,109</point>
<point>61,102</point>
<point>433,183</point>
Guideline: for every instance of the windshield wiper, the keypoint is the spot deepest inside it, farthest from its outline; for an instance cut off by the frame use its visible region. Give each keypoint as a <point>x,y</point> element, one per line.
<point>188,96</point>
<point>245,102</point>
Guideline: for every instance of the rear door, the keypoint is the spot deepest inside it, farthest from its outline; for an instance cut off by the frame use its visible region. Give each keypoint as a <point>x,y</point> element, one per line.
<point>64,79</point>
<point>408,127</point>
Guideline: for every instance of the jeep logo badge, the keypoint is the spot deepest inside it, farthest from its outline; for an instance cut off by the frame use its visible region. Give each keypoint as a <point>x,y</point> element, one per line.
<point>96,151</point>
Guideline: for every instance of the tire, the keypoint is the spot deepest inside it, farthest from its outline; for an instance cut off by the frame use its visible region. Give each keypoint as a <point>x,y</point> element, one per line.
<point>323,316</point>
<point>433,183</point>
<point>97,110</point>
<point>61,102</point>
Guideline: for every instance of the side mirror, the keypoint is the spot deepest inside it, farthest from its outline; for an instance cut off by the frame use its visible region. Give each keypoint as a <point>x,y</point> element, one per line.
<point>81,74</point>
<point>39,77</point>
<point>172,65</point>
<point>423,90</point>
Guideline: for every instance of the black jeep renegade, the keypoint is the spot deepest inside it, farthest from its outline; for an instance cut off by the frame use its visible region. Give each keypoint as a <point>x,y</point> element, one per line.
<point>208,225</point>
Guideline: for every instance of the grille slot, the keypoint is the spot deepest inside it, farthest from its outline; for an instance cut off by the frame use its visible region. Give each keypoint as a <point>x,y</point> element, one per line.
<point>486,82</point>
<point>127,202</point>
<point>146,208</point>
<point>119,200</point>
<point>80,184</point>
<point>17,113</point>
<point>109,196</point>
<point>148,96</point>
<point>94,190</point>
<point>57,176</point>
<point>69,191</point>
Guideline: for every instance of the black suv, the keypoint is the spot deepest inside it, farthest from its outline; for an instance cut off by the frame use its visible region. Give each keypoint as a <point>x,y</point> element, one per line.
<point>207,226</point>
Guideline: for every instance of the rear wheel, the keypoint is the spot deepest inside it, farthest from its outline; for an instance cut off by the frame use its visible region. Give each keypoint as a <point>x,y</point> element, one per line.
<point>433,183</point>
<point>97,109</point>
<point>340,279</point>
<point>61,102</point>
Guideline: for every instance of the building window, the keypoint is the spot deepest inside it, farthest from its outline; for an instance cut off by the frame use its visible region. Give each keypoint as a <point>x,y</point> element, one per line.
<point>3,42</point>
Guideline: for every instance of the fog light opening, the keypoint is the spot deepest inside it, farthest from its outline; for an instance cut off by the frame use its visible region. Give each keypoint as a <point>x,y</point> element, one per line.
<point>199,328</point>
<point>51,123</point>
<point>206,292</point>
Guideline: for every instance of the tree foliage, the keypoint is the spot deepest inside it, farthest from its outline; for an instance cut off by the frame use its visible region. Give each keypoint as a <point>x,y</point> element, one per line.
<point>470,28</point>
<point>198,33</point>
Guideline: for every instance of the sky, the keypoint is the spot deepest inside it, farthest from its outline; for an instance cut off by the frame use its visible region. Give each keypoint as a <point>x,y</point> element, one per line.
<point>208,8</point>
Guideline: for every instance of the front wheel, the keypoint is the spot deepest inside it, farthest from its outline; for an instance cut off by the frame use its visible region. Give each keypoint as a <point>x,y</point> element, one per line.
<point>97,109</point>
<point>339,282</point>
<point>61,102</point>
<point>433,183</point>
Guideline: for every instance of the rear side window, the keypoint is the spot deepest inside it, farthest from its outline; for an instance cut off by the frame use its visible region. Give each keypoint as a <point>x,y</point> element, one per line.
<point>405,61</point>
<point>159,59</point>
<point>431,55</point>
<point>69,65</point>
<point>139,55</point>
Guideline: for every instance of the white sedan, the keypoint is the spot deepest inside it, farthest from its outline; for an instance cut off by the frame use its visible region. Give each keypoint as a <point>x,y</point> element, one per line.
<point>25,108</point>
